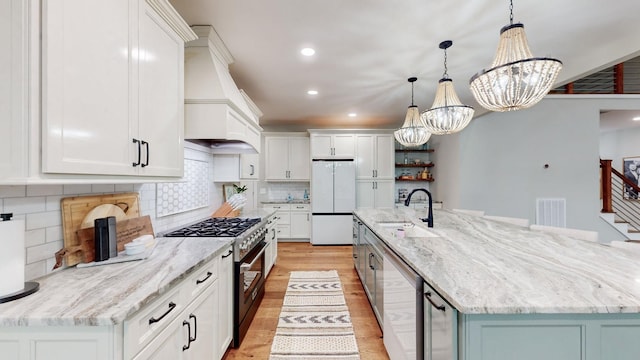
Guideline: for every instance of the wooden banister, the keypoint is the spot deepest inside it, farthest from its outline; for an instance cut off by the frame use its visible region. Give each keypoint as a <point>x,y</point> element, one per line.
<point>606,172</point>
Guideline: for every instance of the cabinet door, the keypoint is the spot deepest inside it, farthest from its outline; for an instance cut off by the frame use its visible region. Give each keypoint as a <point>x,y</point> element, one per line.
<point>88,118</point>
<point>160,57</point>
<point>225,303</point>
<point>202,316</point>
<point>321,146</point>
<point>365,152</point>
<point>249,166</point>
<point>268,258</point>
<point>384,197</point>
<point>385,157</point>
<point>365,194</point>
<point>13,72</point>
<point>299,162</point>
<point>344,145</point>
<point>277,158</point>
<point>300,225</point>
<point>251,194</point>
<point>378,274</point>
<point>168,344</point>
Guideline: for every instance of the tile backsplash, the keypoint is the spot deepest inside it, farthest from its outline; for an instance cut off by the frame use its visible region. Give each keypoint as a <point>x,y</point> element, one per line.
<point>278,191</point>
<point>39,206</point>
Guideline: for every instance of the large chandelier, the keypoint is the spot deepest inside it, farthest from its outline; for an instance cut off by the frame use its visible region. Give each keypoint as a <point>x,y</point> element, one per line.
<point>413,132</point>
<point>516,79</point>
<point>447,114</point>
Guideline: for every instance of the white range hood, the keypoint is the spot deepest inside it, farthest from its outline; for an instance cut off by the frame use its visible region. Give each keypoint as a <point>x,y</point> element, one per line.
<point>216,111</point>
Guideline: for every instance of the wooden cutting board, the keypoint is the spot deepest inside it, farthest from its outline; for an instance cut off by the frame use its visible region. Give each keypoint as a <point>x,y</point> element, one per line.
<point>75,210</point>
<point>126,231</point>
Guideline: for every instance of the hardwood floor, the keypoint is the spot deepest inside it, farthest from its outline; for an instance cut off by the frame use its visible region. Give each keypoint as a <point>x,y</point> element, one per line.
<point>304,256</point>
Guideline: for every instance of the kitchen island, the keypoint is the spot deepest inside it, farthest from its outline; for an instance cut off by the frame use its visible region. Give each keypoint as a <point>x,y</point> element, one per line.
<point>520,293</point>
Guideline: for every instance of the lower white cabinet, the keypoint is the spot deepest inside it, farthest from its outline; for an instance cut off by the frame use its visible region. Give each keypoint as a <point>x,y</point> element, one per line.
<point>271,254</point>
<point>375,193</point>
<point>193,321</point>
<point>294,220</point>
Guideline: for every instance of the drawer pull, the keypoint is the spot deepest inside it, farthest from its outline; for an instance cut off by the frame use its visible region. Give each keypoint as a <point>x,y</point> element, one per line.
<point>195,328</point>
<point>209,273</point>
<point>172,306</point>
<point>228,254</point>
<point>439,307</point>
<point>186,347</point>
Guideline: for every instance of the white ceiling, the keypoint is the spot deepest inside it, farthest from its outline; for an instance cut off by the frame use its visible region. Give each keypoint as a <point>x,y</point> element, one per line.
<point>366,50</point>
<point>618,120</point>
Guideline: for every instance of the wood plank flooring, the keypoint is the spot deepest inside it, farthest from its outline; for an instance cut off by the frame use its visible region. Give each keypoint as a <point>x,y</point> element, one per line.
<point>304,257</point>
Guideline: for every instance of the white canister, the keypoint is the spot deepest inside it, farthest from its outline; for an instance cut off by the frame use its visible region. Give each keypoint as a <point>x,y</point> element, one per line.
<point>12,256</point>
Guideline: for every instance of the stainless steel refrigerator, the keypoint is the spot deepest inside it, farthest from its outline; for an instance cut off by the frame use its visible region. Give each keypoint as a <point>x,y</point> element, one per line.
<point>333,199</point>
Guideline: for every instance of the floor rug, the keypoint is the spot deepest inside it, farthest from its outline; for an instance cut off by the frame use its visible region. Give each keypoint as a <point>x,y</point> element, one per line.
<point>314,322</point>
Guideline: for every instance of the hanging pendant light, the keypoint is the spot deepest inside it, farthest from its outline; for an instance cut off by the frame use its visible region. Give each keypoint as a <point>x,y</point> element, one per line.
<point>413,132</point>
<point>516,79</point>
<point>447,114</point>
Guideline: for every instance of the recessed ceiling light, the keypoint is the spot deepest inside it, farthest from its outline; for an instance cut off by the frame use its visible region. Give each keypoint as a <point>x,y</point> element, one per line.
<point>637,118</point>
<point>312,92</point>
<point>353,114</point>
<point>307,52</point>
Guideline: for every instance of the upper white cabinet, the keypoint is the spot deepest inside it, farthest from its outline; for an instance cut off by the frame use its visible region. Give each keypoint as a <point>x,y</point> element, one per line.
<point>13,89</point>
<point>375,156</point>
<point>327,146</point>
<point>374,194</point>
<point>249,165</point>
<point>287,158</point>
<point>112,87</point>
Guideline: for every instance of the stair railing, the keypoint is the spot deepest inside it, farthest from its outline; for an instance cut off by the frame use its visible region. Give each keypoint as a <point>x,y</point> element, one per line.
<point>613,201</point>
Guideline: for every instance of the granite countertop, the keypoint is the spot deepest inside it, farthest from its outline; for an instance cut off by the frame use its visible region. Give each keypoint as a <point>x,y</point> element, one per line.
<point>294,201</point>
<point>482,266</point>
<point>108,294</point>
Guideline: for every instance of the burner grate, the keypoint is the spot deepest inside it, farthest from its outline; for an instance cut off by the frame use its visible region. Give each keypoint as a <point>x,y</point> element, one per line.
<point>215,227</point>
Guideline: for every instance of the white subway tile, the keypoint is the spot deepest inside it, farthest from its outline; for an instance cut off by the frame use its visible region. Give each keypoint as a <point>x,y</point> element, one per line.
<point>103,188</point>
<point>54,233</point>
<point>34,237</point>
<point>124,188</point>
<point>44,251</point>
<point>53,202</point>
<point>75,189</point>
<point>12,191</point>
<point>25,205</point>
<point>44,219</point>
<point>44,190</point>
<point>35,270</point>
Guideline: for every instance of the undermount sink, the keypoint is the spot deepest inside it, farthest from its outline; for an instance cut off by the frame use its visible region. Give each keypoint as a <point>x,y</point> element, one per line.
<point>410,229</point>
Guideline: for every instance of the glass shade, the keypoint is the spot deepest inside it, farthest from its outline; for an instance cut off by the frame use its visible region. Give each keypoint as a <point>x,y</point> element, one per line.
<point>413,132</point>
<point>516,79</point>
<point>447,114</point>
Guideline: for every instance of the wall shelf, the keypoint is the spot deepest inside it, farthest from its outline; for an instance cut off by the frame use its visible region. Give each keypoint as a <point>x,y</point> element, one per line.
<point>414,151</point>
<point>415,180</point>
<point>414,165</point>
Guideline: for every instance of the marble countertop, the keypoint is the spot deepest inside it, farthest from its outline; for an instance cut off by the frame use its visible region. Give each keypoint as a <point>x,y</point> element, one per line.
<point>482,266</point>
<point>295,201</point>
<point>108,294</point>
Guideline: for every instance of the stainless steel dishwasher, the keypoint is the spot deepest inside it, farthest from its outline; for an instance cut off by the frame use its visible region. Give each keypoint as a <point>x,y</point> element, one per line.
<point>403,310</point>
<point>440,327</point>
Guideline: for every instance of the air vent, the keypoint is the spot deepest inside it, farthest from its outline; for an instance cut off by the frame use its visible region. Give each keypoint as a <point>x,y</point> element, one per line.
<point>551,212</point>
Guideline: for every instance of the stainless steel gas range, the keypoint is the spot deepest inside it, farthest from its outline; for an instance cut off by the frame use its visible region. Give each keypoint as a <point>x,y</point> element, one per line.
<point>249,263</point>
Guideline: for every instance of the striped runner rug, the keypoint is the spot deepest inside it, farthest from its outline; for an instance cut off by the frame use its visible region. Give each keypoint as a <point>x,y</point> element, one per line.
<point>314,322</point>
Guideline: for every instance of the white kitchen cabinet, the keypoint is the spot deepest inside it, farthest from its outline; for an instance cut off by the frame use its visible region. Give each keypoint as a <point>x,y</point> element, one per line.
<point>375,156</point>
<point>249,166</point>
<point>13,89</point>
<point>251,194</point>
<point>327,146</point>
<point>287,158</point>
<point>374,193</point>
<point>116,107</point>
<point>300,221</point>
<point>271,254</point>
<point>225,303</point>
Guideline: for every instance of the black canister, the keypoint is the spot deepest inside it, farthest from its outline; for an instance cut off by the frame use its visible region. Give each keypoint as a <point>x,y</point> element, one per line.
<point>105,238</point>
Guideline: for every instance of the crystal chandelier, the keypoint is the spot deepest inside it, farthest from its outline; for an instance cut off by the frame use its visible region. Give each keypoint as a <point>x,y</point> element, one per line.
<point>447,114</point>
<point>516,79</point>
<point>413,132</point>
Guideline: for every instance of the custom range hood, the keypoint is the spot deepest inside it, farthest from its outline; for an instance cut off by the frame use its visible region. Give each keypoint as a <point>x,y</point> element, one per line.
<point>217,113</point>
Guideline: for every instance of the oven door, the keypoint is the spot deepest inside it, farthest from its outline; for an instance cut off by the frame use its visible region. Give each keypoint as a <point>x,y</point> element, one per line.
<point>250,279</point>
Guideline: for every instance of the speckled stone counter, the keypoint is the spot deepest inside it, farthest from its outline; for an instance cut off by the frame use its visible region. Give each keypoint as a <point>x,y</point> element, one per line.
<point>482,266</point>
<point>108,294</point>
<point>297,201</point>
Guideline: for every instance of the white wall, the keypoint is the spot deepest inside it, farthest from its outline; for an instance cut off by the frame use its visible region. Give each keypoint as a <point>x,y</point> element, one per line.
<point>497,163</point>
<point>616,145</point>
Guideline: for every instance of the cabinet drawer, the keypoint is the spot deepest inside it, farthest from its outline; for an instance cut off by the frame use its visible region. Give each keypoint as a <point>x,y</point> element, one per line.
<point>197,282</point>
<point>284,231</point>
<point>300,207</point>
<point>284,217</point>
<point>277,207</point>
<point>141,328</point>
